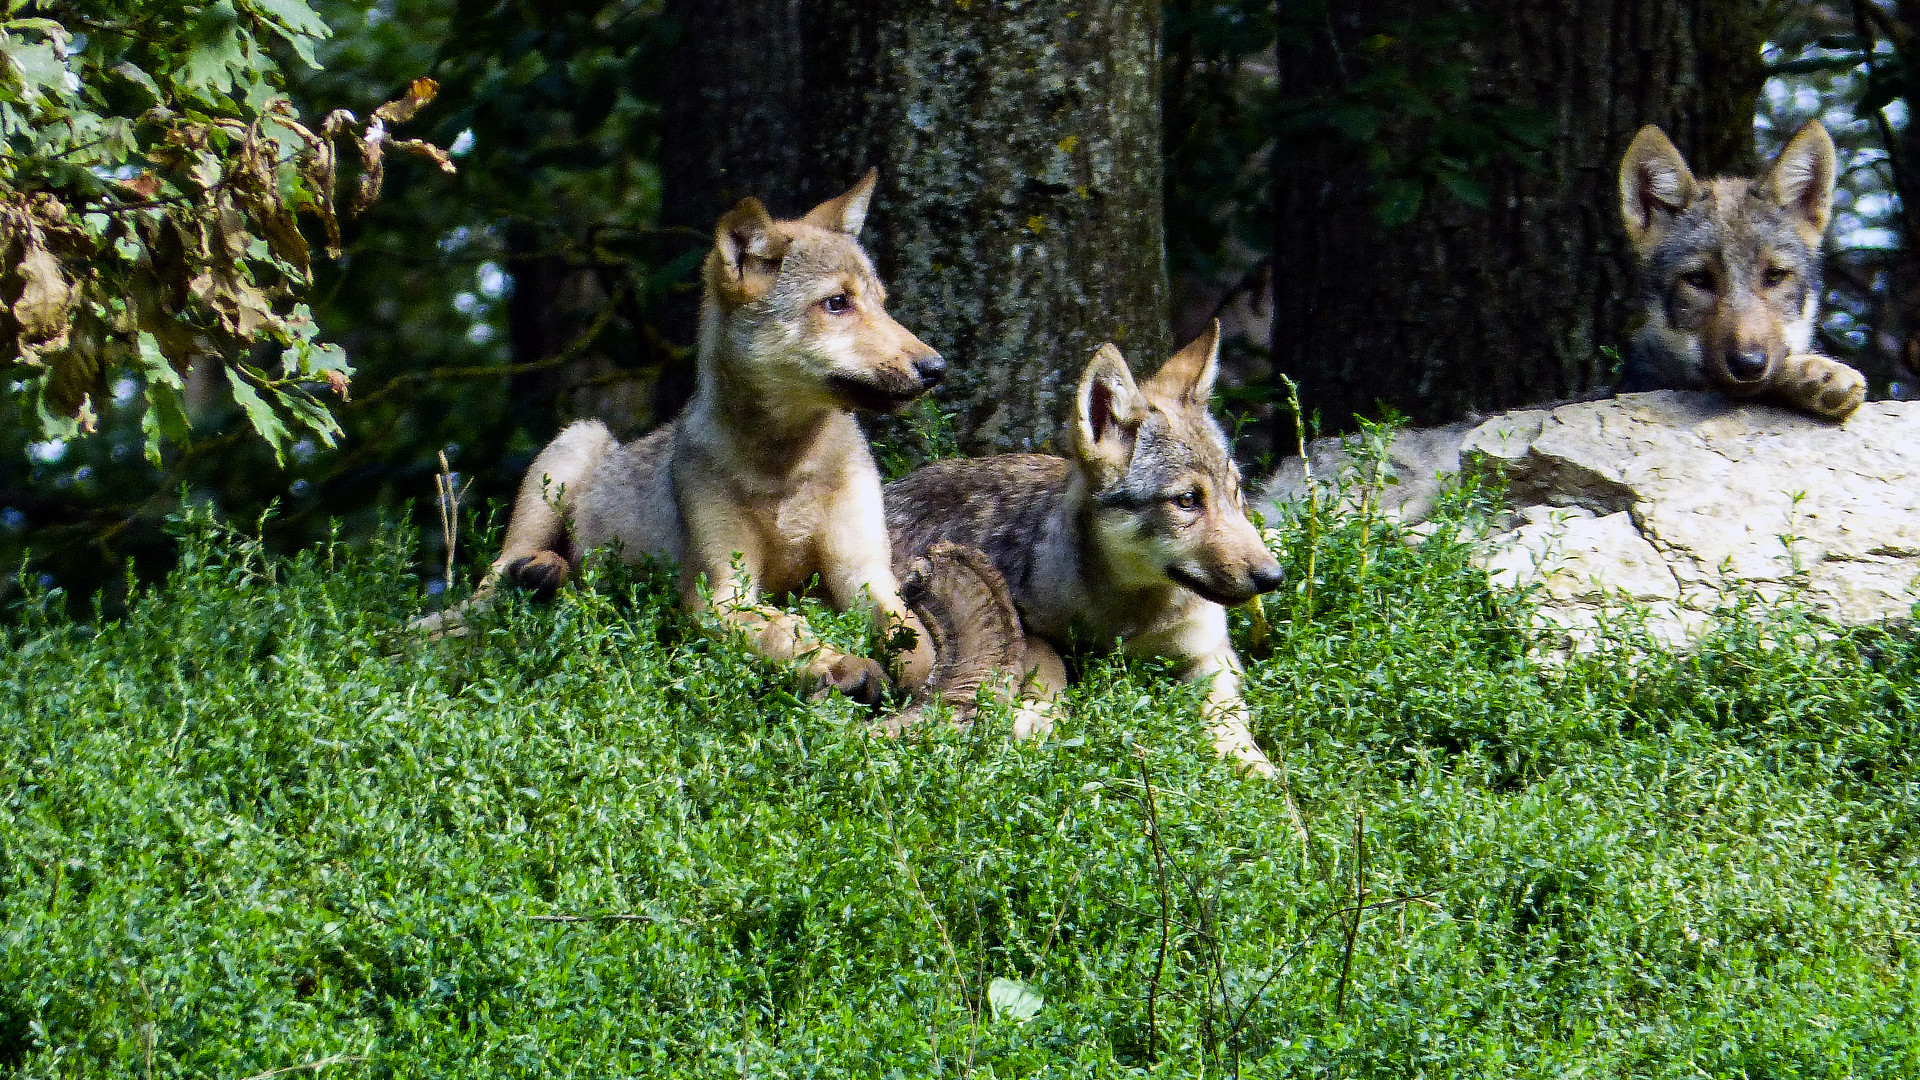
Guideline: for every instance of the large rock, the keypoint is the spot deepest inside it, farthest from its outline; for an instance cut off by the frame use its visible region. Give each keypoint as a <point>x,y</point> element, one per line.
<point>1672,502</point>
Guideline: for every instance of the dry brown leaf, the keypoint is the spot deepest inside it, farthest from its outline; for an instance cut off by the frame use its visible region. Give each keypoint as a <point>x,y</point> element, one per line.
<point>401,109</point>
<point>427,150</point>
<point>242,308</point>
<point>146,185</point>
<point>280,228</point>
<point>372,165</point>
<point>45,307</point>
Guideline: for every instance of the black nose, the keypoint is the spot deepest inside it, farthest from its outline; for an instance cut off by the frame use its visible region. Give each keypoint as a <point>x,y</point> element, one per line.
<point>1747,366</point>
<point>931,368</point>
<point>1268,578</point>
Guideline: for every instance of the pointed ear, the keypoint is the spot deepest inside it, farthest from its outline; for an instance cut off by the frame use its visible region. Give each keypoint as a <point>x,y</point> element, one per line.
<point>1108,412</point>
<point>746,253</point>
<point>1655,184</point>
<point>1188,375</point>
<point>846,212</point>
<point>1801,181</point>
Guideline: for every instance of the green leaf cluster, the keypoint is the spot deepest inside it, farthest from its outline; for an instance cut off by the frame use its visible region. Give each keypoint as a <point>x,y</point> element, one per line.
<point>151,190</point>
<point>1407,108</point>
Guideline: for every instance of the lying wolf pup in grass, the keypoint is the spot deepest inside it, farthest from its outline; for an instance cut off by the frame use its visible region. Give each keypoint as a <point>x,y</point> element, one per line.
<point>1141,537</point>
<point>765,480</point>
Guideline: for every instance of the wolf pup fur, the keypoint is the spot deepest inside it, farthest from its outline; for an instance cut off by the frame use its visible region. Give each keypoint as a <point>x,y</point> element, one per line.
<point>765,479</point>
<point>1730,276</point>
<point>1142,536</point>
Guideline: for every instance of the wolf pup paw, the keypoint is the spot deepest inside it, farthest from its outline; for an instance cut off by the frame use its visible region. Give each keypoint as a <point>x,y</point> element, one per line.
<point>1821,385</point>
<point>860,678</point>
<point>541,572</point>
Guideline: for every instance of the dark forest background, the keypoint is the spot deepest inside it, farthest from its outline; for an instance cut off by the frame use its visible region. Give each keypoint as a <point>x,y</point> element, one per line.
<point>1408,209</point>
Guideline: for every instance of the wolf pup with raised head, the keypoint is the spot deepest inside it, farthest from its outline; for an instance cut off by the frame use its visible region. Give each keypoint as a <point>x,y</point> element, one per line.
<point>765,480</point>
<point>1142,536</point>
<point>1730,276</point>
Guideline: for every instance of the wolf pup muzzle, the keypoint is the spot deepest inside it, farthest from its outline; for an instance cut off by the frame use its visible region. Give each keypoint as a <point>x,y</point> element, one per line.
<point>1261,579</point>
<point>883,393</point>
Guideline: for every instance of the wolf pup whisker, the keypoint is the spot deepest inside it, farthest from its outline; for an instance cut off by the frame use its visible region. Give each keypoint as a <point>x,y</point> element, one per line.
<point>765,480</point>
<point>1141,537</point>
<point>1730,276</point>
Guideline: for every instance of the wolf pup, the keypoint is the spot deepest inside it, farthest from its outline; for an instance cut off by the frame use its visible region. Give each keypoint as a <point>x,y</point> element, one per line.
<point>765,479</point>
<point>1142,536</point>
<point>1730,276</point>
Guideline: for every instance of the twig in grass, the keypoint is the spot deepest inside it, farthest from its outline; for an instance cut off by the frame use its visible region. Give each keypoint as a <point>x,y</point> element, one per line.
<point>1060,913</point>
<point>1166,912</point>
<point>1313,495</point>
<point>1359,905</point>
<point>449,499</point>
<point>146,1031</point>
<point>1313,932</point>
<point>314,1066</point>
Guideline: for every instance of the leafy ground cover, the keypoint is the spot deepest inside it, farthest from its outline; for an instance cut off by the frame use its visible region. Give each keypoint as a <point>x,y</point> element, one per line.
<point>252,826</point>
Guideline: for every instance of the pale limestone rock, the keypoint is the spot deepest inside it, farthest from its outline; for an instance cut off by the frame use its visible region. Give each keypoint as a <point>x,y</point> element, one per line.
<point>1675,501</point>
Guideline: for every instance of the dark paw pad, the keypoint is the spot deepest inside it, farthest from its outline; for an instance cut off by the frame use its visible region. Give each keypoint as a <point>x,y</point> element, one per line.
<point>543,571</point>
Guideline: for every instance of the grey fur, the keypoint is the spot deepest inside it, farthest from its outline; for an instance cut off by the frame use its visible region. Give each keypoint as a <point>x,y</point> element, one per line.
<point>1095,549</point>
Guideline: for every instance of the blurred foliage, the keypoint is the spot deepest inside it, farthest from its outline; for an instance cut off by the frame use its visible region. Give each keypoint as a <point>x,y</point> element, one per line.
<point>150,192</point>
<point>548,110</point>
<point>1855,66</point>
<point>1402,104</point>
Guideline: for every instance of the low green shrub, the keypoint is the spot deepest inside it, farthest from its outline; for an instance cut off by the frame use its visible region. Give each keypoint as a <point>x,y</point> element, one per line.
<point>254,825</point>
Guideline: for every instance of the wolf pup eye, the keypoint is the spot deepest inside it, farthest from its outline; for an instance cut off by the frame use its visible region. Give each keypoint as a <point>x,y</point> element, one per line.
<point>1187,500</point>
<point>1699,279</point>
<point>1775,275</point>
<point>837,303</point>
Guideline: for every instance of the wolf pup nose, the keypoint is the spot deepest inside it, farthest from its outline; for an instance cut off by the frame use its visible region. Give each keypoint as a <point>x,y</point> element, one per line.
<point>932,369</point>
<point>1268,578</point>
<point>1748,366</point>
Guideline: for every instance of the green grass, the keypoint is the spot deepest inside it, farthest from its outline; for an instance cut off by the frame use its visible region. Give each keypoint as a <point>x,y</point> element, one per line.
<point>252,826</point>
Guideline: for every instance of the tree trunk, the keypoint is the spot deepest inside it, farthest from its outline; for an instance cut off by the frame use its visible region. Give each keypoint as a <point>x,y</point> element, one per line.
<point>1466,310</point>
<point>555,302</point>
<point>1018,219</point>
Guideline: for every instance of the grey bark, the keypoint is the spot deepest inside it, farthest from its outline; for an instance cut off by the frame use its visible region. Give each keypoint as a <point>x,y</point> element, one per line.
<point>1018,219</point>
<point>1467,310</point>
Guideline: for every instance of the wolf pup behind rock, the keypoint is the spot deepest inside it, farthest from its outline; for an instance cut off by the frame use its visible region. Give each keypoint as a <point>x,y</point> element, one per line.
<point>1142,536</point>
<point>765,480</point>
<point>1730,276</point>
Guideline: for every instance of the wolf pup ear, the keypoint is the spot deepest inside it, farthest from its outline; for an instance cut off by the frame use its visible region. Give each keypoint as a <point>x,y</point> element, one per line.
<point>1655,184</point>
<point>1801,181</point>
<point>1188,375</point>
<point>845,213</point>
<point>746,253</point>
<point>1109,411</point>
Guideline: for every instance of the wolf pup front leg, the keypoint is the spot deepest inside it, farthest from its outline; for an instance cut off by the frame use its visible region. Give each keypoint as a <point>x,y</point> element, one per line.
<point>1730,276</point>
